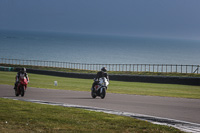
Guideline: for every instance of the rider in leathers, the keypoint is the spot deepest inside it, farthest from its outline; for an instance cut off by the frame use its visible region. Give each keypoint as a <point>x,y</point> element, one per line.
<point>21,73</point>
<point>100,74</point>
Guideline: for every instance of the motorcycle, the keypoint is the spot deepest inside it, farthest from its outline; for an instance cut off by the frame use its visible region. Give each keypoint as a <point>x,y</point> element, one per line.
<point>100,88</point>
<point>21,87</point>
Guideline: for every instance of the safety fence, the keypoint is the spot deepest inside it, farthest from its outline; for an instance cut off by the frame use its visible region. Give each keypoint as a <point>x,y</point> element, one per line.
<point>164,68</point>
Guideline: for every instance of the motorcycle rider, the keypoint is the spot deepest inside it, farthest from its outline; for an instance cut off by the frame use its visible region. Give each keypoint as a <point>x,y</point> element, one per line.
<point>21,73</point>
<point>100,74</point>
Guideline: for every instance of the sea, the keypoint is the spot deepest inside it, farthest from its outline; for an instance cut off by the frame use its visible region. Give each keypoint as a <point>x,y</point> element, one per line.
<point>97,49</point>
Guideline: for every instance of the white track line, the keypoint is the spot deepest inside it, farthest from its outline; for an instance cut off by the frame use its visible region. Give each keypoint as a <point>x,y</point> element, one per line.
<point>182,125</point>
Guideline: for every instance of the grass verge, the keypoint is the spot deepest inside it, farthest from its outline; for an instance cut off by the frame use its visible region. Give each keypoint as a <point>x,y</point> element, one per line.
<point>136,88</point>
<point>23,117</point>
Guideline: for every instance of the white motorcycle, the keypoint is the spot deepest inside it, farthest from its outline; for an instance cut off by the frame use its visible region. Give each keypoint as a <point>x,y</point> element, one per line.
<point>100,88</point>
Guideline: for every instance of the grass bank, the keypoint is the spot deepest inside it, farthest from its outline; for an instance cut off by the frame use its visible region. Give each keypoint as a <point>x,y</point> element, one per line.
<point>23,117</point>
<point>110,72</point>
<point>135,88</point>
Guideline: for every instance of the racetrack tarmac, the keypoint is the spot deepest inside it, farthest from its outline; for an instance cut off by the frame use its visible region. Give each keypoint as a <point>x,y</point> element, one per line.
<point>173,108</point>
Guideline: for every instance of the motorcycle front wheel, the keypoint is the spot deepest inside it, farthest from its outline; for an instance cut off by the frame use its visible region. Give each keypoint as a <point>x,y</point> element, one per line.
<point>22,91</point>
<point>16,92</point>
<point>103,93</point>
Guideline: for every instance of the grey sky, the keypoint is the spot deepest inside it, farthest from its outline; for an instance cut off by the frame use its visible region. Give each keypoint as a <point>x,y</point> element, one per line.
<point>167,18</point>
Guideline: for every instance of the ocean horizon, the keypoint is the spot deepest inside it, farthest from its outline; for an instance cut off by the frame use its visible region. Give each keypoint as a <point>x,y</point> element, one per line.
<point>98,49</point>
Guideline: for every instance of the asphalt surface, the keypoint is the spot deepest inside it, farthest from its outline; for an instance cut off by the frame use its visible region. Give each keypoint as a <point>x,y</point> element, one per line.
<point>173,108</point>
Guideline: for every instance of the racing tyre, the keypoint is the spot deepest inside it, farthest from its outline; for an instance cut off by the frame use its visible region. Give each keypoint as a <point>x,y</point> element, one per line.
<point>22,91</point>
<point>103,94</point>
<point>93,93</point>
<point>16,93</point>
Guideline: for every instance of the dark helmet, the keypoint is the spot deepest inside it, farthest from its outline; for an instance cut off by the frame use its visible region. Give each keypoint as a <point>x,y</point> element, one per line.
<point>23,70</point>
<point>103,69</point>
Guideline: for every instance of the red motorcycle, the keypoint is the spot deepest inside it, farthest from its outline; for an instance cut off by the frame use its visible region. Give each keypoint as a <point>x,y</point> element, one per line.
<point>21,87</point>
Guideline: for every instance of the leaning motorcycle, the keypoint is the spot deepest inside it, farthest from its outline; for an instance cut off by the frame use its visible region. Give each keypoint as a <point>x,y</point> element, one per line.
<point>21,87</point>
<point>100,89</point>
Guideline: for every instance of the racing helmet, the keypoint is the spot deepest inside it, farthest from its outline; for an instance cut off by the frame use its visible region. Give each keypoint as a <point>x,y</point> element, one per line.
<point>23,70</point>
<point>103,69</point>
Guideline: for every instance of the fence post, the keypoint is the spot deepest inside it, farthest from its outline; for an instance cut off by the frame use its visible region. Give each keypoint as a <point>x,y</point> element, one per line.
<point>192,69</point>
<point>171,68</point>
<point>153,67</point>
<point>133,67</point>
<point>158,68</point>
<point>149,67</point>
<point>186,68</point>
<point>181,68</point>
<point>79,66</point>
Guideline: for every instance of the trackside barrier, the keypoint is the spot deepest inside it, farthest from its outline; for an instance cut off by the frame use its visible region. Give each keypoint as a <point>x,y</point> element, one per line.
<point>3,68</point>
<point>130,78</point>
<point>162,68</point>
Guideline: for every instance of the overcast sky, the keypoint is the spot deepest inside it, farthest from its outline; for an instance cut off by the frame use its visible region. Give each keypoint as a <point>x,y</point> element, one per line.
<point>167,18</point>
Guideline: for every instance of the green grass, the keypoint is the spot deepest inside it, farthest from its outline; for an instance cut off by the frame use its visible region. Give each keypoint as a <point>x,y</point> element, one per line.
<point>23,117</point>
<point>135,88</point>
<point>110,72</point>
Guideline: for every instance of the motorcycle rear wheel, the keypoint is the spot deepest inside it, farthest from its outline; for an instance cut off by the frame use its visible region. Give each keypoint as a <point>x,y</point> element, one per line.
<point>93,93</point>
